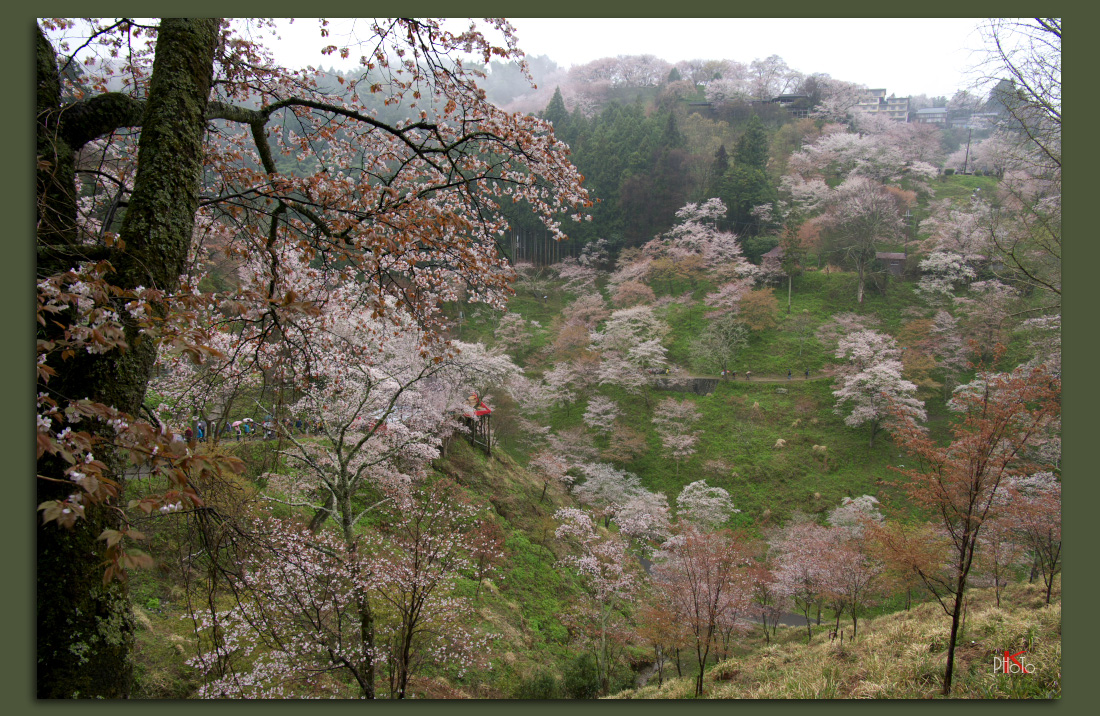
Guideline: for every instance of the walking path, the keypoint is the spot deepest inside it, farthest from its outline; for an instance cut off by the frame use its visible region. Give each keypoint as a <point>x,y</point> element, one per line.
<point>797,378</point>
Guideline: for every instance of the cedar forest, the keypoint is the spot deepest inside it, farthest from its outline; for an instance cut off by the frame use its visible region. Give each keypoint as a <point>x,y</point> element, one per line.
<point>463,375</point>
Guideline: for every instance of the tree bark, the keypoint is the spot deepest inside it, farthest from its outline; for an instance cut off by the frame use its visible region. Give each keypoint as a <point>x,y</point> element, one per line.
<point>956,615</point>
<point>56,173</point>
<point>85,629</point>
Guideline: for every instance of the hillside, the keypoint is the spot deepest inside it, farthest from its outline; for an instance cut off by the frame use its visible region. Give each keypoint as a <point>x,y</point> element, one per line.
<point>777,445</point>
<point>742,419</point>
<point>898,656</point>
<point>522,604</point>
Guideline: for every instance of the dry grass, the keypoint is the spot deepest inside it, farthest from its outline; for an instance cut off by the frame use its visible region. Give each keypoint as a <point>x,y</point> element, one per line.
<point>901,656</point>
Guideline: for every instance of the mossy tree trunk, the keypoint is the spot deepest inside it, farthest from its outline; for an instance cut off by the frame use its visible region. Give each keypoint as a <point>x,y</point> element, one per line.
<point>85,629</point>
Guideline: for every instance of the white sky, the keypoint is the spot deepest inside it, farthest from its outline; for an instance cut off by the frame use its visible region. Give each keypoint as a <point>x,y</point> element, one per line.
<point>932,56</point>
<point>906,56</point>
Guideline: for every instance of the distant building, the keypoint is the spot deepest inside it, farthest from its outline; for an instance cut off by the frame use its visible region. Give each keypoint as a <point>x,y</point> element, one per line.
<point>932,115</point>
<point>875,101</point>
<point>797,105</point>
<point>895,262</point>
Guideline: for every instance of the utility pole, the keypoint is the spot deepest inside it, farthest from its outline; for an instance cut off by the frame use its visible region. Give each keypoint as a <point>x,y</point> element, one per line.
<point>909,217</point>
<point>966,160</point>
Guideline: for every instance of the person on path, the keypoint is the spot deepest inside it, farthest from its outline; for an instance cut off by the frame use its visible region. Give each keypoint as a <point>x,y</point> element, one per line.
<point>807,374</point>
<point>748,375</point>
<point>187,434</point>
<point>788,374</point>
<point>201,432</point>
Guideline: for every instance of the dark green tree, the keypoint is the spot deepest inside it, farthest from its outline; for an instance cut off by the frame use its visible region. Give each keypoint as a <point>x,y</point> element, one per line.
<point>555,112</point>
<point>745,187</point>
<point>672,137</point>
<point>752,147</point>
<point>721,161</point>
<point>747,184</point>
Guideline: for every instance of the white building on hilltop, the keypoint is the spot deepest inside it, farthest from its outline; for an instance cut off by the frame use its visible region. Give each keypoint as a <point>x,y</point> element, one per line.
<point>875,101</point>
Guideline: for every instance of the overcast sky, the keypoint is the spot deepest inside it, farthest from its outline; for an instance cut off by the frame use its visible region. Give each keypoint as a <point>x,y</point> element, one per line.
<point>928,56</point>
<point>905,56</point>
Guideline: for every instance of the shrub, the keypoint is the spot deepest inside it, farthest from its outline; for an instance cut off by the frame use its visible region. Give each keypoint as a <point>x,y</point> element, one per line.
<point>540,685</point>
<point>582,678</point>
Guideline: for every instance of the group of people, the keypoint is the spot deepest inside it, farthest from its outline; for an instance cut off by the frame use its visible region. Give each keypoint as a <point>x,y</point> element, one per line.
<point>199,429</point>
<point>199,433</point>
<point>238,429</point>
<point>748,374</point>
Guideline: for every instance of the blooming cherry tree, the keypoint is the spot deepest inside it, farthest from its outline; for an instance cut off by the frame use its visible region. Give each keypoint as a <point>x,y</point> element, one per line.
<point>576,276</point>
<point>301,591</point>
<point>604,564</point>
<point>872,382</point>
<point>704,578</point>
<point>673,419</point>
<point>437,538</point>
<point>943,272</point>
<point>644,516</point>
<point>309,605</point>
<point>949,348</point>
<point>606,489</point>
<point>1033,509</point>
<point>551,468</point>
<point>631,342</point>
<point>852,514</point>
<point>574,446</point>
<point>601,413</point>
<point>802,552</point>
<point>700,504</point>
<point>588,310</point>
<point>512,332</point>
<point>632,293</point>
<point>852,579</point>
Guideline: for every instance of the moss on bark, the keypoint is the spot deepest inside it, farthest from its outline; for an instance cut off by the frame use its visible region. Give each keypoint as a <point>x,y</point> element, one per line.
<point>85,630</point>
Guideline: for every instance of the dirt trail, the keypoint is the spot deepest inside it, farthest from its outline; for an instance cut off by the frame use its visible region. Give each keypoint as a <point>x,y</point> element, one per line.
<point>762,379</point>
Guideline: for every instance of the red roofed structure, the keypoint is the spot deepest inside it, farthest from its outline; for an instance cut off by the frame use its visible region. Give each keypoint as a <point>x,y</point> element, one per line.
<point>480,424</point>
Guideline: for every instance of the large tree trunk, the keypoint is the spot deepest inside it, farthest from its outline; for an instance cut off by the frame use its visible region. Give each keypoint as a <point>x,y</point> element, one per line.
<point>367,672</point>
<point>56,182</point>
<point>85,629</point>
